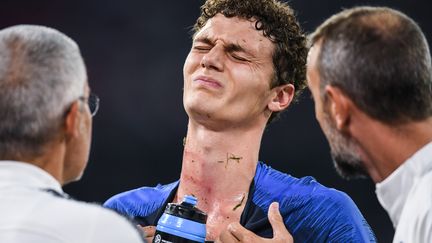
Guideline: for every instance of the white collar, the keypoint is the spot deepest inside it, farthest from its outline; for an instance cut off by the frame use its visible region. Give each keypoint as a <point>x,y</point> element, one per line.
<point>392,191</point>
<point>22,174</point>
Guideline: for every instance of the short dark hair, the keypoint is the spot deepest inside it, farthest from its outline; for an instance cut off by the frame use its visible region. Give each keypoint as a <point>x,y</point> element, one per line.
<point>278,23</point>
<point>380,58</point>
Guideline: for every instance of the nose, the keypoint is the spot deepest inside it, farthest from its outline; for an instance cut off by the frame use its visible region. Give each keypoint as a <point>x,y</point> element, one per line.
<point>213,59</point>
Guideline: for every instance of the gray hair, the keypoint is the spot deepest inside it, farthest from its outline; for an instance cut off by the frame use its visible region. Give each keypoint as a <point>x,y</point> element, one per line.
<point>41,74</point>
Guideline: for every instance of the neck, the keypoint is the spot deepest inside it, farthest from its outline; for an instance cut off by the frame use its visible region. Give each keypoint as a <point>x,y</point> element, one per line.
<point>385,147</point>
<point>49,161</point>
<point>218,167</point>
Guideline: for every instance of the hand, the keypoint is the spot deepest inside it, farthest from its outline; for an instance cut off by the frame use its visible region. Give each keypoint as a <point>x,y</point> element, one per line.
<point>237,233</point>
<point>149,232</point>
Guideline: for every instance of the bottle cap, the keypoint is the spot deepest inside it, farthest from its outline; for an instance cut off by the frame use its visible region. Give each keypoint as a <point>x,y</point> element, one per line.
<point>187,210</point>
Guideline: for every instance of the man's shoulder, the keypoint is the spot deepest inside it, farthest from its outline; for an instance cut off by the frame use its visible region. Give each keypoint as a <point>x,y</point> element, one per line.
<point>420,198</point>
<point>306,203</point>
<point>415,223</point>
<point>71,210</point>
<point>113,225</point>
<point>140,201</point>
<point>82,220</point>
<point>276,185</point>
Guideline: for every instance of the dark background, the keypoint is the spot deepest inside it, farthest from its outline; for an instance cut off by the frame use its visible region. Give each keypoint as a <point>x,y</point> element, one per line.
<point>134,51</point>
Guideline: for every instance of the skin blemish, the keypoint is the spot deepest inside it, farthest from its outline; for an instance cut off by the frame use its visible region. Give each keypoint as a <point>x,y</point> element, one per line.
<point>236,158</point>
<point>240,203</point>
<point>226,164</point>
<point>204,200</point>
<point>229,157</point>
<point>193,161</point>
<point>220,161</point>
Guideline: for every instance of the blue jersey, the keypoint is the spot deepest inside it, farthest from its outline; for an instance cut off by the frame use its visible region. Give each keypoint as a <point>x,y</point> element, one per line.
<point>311,211</point>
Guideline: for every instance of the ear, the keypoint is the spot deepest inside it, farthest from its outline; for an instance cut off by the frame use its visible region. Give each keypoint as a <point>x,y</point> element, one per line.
<point>72,120</point>
<point>281,97</point>
<point>339,106</point>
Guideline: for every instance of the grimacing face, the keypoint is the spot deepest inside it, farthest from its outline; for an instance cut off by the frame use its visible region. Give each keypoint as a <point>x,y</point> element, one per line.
<point>343,148</point>
<point>227,73</point>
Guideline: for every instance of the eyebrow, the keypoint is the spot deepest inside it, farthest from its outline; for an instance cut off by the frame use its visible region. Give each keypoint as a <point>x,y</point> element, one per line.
<point>230,47</point>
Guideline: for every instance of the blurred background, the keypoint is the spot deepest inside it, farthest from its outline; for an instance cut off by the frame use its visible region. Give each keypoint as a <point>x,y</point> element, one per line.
<point>134,51</point>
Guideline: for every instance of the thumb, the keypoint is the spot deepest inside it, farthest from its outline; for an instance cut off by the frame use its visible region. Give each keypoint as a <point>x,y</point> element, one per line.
<point>276,221</point>
<point>239,232</point>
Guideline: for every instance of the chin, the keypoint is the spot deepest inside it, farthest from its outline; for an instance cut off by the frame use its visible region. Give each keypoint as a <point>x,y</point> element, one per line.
<point>198,109</point>
<point>349,167</point>
<point>72,179</point>
<point>343,149</point>
<point>77,178</point>
<point>72,174</point>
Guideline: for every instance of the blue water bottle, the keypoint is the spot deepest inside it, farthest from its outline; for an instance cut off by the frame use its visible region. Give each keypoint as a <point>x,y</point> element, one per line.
<point>181,223</point>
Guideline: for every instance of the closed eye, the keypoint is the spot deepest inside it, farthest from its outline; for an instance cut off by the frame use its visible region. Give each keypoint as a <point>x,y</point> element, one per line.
<point>202,48</point>
<point>239,58</point>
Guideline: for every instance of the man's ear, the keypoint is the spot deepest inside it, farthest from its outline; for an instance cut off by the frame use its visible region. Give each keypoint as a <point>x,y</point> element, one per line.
<point>338,106</point>
<point>72,120</point>
<point>281,97</point>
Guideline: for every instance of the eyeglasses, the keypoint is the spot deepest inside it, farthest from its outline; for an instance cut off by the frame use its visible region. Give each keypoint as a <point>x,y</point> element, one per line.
<point>93,102</point>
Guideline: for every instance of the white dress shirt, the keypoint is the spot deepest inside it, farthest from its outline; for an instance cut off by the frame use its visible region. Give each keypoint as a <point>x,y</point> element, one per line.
<point>31,214</point>
<point>407,197</point>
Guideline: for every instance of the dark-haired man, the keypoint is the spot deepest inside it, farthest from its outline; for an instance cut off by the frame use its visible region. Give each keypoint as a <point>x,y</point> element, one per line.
<point>246,64</point>
<point>371,78</point>
<point>370,74</point>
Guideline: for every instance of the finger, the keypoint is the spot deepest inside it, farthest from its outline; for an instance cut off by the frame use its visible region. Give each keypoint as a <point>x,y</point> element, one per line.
<point>226,237</point>
<point>149,239</point>
<point>276,221</point>
<point>149,231</point>
<point>240,232</point>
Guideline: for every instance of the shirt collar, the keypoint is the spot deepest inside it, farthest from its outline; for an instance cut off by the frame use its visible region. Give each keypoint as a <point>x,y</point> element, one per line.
<point>392,192</point>
<point>22,174</point>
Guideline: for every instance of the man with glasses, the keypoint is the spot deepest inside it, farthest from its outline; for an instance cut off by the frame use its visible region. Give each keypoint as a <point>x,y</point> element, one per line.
<point>46,114</point>
<point>93,102</point>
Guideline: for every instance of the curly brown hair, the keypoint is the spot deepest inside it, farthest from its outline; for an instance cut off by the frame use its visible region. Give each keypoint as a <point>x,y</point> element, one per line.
<point>278,23</point>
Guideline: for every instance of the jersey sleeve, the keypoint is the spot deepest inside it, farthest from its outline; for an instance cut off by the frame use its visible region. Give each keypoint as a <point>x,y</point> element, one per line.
<point>329,216</point>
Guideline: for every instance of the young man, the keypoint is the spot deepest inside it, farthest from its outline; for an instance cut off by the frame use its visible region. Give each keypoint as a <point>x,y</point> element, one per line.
<point>370,74</point>
<point>246,64</point>
<point>45,130</point>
